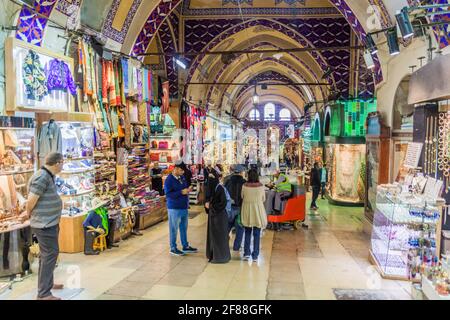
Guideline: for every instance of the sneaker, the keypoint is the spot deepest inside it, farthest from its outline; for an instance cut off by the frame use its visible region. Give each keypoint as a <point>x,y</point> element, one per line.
<point>190,250</point>
<point>246,258</point>
<point>177,252</point>
<point>255,259</point>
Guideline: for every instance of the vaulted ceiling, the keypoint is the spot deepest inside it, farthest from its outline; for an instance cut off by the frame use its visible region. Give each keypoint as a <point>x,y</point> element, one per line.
<point>147,26</point>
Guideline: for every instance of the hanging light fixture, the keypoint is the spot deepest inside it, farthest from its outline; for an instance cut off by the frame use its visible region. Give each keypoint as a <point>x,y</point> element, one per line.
<point>255,97</point>
<point>392,41</point>
<point>181,62</point>
<point>404,23</point>
<point>369,60</point>
<point>371,44</point>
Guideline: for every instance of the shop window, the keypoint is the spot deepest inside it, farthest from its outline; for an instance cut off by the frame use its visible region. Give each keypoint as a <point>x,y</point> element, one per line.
<point>254,115</point>
<point>269,112</point>
<point>285,115</point>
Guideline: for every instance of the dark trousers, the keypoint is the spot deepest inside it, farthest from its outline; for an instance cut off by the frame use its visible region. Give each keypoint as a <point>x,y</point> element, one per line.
<point>256,240</point>
<point>315,195</point>
<point>49,250</point>
<point>239,230</point>
<point>324,186</point>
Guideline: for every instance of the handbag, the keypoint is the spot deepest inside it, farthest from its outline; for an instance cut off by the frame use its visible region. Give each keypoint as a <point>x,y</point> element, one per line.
<point>154,156</point>
<point>163,145</point>
<point>154,144</point>
<point>163,157</point>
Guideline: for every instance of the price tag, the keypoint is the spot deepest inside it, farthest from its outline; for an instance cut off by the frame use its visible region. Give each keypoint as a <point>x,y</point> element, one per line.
<point>148,189</point>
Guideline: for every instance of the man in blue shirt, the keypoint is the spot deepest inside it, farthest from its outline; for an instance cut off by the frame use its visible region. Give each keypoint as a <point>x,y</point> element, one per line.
<point>177,195</point>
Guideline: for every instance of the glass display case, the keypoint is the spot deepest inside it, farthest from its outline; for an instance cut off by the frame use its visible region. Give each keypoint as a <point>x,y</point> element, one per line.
<point>404,232</point>
<point>76,182</point>
<point>377,171</point>
<point>17,165</point>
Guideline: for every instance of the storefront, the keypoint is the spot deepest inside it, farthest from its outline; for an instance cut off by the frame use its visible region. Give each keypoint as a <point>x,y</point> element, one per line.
<point>410,222</point>
<point>103,128</point>
<point>345,151</point>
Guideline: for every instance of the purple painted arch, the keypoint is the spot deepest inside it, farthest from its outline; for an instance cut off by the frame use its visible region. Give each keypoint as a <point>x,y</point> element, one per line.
<point>357,27</point>
<point>256,22</point>
<point>152,25</point>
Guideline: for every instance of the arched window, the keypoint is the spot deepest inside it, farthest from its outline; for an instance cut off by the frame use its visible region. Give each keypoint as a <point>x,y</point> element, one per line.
<point>254,115</point>
<point>285,115</point>
<point>269,112</point>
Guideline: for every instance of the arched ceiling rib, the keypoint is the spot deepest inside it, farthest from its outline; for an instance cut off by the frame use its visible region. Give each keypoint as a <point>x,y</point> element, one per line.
<point>259,66</point>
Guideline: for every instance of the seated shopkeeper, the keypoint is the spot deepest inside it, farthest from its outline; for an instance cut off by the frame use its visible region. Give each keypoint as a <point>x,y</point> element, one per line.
<point>276,198</point>
<point>96,224</point>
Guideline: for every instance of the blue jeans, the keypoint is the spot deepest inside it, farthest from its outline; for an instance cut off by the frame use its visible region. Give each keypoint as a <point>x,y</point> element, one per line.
<point>239,230</point>
<point>178,218</point>
<point>256,240</point>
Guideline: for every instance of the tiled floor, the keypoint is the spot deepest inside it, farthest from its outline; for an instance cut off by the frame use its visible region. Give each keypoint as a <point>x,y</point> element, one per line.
<point>301,264</point>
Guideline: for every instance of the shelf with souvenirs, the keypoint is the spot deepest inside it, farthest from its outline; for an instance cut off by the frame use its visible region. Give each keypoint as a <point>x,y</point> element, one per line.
<point>17,164</point>
<point>406,221</point>
<point>436,280</point>
<point>147,203</point>
<point>76,182</point>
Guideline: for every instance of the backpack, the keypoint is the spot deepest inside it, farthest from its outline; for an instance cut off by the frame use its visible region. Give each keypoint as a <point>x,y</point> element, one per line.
<point>228,209</point>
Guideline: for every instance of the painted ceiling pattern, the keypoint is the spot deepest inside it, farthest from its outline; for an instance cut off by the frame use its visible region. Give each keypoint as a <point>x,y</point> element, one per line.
<point>31,27</point>
<point>110,31</point>
<point>294,11</point>
<point>321,32</point>
<point>152,24</point>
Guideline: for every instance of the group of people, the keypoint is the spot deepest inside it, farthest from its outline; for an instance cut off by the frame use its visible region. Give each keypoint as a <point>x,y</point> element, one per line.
<point>230,202</point>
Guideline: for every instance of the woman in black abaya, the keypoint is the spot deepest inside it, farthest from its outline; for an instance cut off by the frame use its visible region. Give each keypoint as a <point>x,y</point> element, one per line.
<point>217,247</point>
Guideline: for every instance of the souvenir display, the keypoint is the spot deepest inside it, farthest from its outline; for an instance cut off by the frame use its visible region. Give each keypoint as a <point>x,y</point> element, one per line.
<point>17,165</point>
<point>443,158</point>
<point>405,224</point>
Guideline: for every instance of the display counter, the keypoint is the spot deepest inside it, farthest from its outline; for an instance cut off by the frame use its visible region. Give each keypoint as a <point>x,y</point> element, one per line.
<point>17,165</point>
<point>404,232</point>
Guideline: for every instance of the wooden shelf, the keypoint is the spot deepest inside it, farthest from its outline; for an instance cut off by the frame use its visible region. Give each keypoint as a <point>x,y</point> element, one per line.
<point>77,194</point>
<point>15,172</point>
<point>76,172</point>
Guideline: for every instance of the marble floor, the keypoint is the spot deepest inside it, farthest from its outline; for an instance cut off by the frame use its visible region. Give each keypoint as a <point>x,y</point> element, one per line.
<point>331,256</point>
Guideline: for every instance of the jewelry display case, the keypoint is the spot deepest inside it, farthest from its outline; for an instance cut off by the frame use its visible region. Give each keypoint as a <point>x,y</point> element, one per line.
<point>17,165</point>
<point>404,230</point>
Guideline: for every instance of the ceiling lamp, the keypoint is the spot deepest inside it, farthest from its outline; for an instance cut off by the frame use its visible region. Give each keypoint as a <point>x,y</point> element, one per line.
<point>371,44</point>
<point>255,97</point>
<point>392,41</point>
<point>404,23</point>
<point>278,56</point>
<point>181,62</point>
<point>369,60</point>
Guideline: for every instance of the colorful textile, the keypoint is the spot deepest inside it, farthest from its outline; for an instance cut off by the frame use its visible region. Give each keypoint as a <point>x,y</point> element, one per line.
<point>59,77</point>
<point>125,75</point>
<point>34,77</point>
